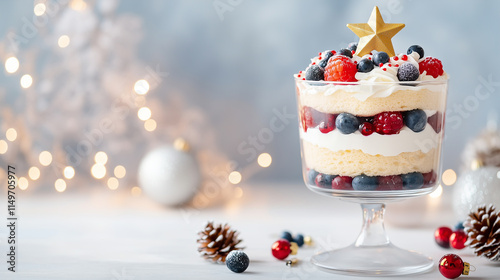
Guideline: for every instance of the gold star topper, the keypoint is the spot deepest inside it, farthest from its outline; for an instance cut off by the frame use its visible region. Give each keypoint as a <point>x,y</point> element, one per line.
<point>376,34</point>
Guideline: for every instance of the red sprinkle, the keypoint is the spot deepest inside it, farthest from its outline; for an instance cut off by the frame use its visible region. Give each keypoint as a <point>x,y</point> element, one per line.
<point>319,58</point>
<point>395,58</point>
<point>397,65</point>
<point>404,57</point>
<point>380,65</point>
<point>313,63</point>
<point>353,52</point>
<point>333,52</point>
<point>304,79</point>
<point>319,54</point>
<point>390,65</point>
<point>298,76</point>
<point>384,69</point>
<point>300,71</point>
<point>370,58</point>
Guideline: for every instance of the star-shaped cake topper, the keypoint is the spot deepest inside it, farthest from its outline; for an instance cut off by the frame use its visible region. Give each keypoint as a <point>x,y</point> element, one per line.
<point>376,34</point>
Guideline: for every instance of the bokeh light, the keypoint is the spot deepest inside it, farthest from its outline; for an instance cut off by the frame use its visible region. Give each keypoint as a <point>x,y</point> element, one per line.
<point>45,158</point>
<point>22,183</point>
<point>39,9</point>
<point>238,192</point>
<point>449,177</point>
<point>26,81</point>
<point>150,125</point>
<point>63,41</point>
<point>98,171</point>
<point>136,191</point>
<point>34,173</point>
<point>11,64</point>
<point>113,183</point>
<point>101,157</point>
<point>234,177</point>
<point>120,171</point>
<point>141,87</point>
<point>144,113</point>
<point>78,5</point>
<point>3,147</point>
<point>60,185</point>
<point>11,134</point>
<point>69,172</point>
<point>264,160</point>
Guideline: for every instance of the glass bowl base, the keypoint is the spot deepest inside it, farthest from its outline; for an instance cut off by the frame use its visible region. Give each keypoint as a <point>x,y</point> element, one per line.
<point>379,260</point>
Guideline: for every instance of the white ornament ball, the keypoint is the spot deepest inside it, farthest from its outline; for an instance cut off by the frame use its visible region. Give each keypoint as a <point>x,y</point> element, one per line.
<point>169,176</point>
<point>475,188</point>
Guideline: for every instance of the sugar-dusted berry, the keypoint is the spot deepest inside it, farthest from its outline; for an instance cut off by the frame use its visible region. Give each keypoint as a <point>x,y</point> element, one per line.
<point>315,73</point>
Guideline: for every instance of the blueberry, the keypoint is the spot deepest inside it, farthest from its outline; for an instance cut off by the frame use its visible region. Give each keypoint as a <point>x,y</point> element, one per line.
<point>353,46</point>
<point>412,181</point>
<point>365,65</point>
<point>459,226</point>
<point>324,61</point>
<point>416,48</point>
<point>324,180</point>
<point>408,72</point>
<point>287,235</point>
<point>299,239</point>
<point>347,123</point>
<point>380,57</point>
<point>345,52</point>
<point>315,73</point>
<point>365,183</point>
<point>311,176</point>
<point>237,261</point>
<point>415,120</point>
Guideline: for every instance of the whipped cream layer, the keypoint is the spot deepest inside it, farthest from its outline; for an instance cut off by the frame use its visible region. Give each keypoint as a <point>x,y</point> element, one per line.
<point>375,144</point>
<point>367,89</point>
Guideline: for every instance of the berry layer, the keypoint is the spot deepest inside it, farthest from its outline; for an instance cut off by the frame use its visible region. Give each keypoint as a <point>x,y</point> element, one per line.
<point>356,162</point>
<point>375,144</point>
<point>365,100</point>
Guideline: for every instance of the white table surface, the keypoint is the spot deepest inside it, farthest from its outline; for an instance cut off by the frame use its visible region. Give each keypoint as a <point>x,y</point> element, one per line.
<point>112,235</point>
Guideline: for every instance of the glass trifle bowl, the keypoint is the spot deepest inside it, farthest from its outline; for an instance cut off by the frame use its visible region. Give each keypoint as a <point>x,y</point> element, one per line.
<point>371,143</point>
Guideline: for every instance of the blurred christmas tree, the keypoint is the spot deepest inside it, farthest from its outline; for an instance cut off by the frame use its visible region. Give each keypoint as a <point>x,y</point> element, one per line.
<point>82,111</point>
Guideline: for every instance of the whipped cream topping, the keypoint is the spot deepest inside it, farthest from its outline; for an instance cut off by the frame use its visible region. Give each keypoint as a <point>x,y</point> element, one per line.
<point>367,86</point>
<point>364,90</point>
<point>375,144</point>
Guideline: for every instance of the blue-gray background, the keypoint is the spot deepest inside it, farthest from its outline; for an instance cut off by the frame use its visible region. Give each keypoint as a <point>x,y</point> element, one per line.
<point>237,65</point>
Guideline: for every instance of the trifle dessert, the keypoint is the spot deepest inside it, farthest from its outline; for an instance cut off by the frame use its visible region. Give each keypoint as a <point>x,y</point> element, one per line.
<point>371,121</point>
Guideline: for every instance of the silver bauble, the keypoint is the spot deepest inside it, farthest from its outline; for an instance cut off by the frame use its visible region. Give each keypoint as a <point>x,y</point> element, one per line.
<point>169,176</point>
<point>475,188</point>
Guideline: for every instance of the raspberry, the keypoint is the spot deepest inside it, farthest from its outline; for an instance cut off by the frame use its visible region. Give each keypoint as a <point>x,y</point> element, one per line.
<point>432,65</point>
<point>388,122</point>
<point>389,183</point>
<point>340,68</point>
<point>342,183</point>
<point>310,117</point>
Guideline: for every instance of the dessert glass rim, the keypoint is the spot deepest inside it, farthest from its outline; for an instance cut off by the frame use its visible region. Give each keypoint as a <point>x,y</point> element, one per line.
<point>365,83</point>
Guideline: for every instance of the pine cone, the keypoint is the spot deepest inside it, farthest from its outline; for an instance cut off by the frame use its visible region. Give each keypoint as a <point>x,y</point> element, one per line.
<point>217,241</point>
<point>483,231</point>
